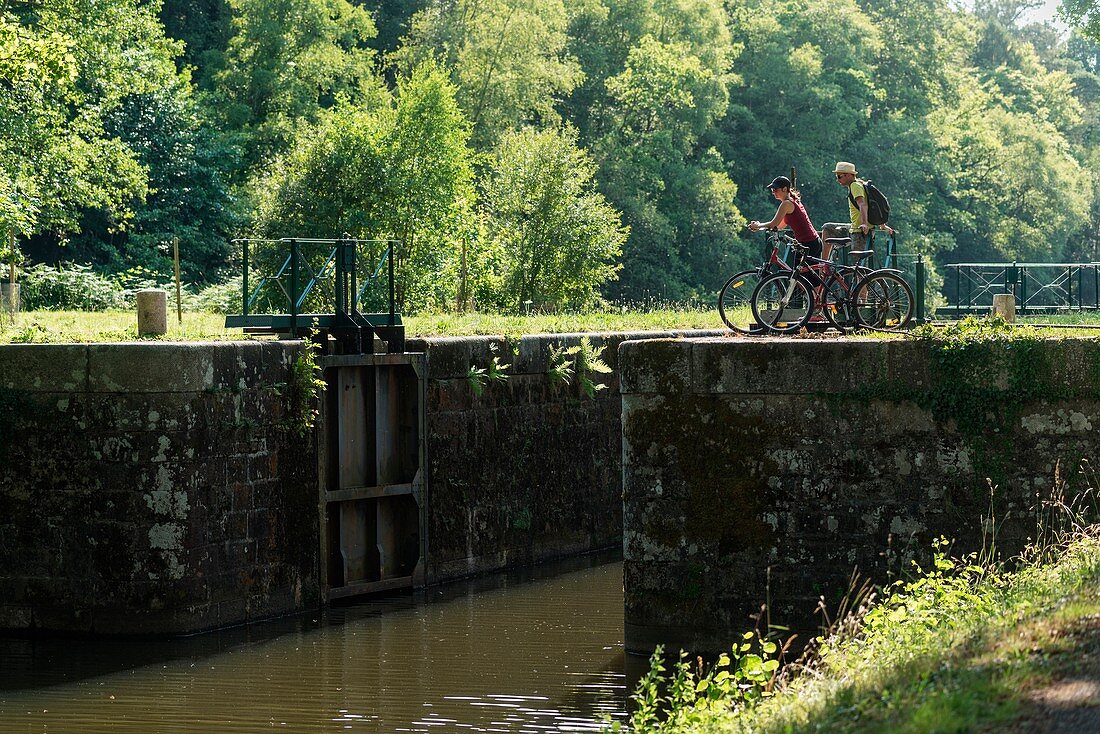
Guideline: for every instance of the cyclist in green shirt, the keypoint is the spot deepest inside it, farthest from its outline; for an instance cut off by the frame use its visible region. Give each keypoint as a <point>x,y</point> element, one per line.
<point>857,228</point>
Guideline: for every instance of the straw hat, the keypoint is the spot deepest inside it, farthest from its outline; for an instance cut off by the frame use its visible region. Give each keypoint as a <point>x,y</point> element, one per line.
<point>845,167</point>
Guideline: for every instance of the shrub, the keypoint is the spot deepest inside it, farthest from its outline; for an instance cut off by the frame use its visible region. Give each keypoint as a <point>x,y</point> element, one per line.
<point>71,287</point>
<point>217,298</point>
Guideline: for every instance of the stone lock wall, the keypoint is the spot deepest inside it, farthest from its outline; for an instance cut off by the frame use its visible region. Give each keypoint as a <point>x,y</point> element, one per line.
<point>155,488</point>
<point>529,469</point>
<point>152,488</point>
<point>766,471</point>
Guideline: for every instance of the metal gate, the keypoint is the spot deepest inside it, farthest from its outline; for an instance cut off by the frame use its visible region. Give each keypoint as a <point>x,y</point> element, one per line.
<point>371,471</point>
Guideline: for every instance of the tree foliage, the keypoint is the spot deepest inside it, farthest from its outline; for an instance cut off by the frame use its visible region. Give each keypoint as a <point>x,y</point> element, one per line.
<point>507,59</point>
<point>128,123</point>
<point>558,237</point>
<point>65,65</point>
<point>398,170</point>
<point>188,198</point>
<point>286,61</point>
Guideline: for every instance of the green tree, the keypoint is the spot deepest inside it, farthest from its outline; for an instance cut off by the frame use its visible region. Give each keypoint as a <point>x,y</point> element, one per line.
<point>558,238</point>
<point>287,61</point>
<point>656,167</point>
<point>1084,14</point>
<point>65,65</point>
<point>806,94</point>
<point>1003,181</point>
<point>506,56</point>
<point>188,197</point>
<point>204,27</point>
<point>397,170</point>
<point>393,18</point>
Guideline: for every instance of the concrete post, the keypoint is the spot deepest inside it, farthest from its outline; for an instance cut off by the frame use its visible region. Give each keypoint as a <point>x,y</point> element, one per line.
<point>1004,304</point>
<point>152,312</point>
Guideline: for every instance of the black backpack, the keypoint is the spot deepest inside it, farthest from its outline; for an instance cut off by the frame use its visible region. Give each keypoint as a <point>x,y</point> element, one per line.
<point>878,206</point>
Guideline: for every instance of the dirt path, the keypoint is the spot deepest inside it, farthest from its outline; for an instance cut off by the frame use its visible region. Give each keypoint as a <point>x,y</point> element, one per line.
<point>1070,702</point>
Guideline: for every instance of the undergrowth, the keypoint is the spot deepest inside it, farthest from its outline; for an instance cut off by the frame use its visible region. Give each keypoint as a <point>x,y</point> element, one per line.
<point>915,656</point>
<point>899,663</point>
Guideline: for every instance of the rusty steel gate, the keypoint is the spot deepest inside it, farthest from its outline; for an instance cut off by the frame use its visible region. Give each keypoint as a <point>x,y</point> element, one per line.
<point>371,471</point>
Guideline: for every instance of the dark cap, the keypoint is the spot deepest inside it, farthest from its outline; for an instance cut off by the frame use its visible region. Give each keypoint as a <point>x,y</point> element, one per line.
<point>779,182</point>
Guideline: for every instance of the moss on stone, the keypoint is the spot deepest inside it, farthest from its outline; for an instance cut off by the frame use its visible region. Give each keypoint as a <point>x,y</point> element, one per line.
<point>724,474</point>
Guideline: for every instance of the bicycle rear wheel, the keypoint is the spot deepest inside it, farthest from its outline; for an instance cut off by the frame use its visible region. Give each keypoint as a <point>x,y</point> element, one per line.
<point>883,300</point>
<point>783,302</point>
<point>735,301</point>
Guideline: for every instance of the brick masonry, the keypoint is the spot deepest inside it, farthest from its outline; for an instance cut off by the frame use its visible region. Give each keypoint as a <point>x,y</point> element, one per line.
<point>761,471</point>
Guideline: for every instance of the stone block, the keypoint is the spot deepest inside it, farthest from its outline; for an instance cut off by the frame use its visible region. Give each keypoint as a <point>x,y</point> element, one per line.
<point>534,351</point>
<point>50,368</point>
<point>451,357</point>
<point>152,368</point>
<point>773,366</point>
<point>908,364</point>
<point>450,395</point>
<point>143,411</point>
<point>659,366</point>
<point>15,616</point>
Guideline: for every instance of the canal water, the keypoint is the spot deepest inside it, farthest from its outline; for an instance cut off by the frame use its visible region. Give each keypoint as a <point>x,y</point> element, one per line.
<point>534,652</point>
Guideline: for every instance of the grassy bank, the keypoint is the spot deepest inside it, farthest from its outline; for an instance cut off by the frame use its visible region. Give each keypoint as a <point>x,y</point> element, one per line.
<point>964,647</point>
<point>40,327</point>
<point>113,326</point>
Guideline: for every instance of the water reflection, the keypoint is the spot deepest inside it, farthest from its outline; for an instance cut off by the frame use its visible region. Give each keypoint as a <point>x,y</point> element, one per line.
<point>526,653</point>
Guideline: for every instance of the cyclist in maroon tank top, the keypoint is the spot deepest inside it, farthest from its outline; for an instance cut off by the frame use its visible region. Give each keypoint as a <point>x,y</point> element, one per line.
<point>792,214</point>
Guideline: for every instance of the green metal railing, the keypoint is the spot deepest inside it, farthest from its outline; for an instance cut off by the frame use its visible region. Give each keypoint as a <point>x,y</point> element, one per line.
<point>1037,287</point>
<point>319,283</point>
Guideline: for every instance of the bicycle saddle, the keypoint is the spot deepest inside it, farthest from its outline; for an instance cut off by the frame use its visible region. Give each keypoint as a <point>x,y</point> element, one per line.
<point>839,240</point>
<point>861,254</point>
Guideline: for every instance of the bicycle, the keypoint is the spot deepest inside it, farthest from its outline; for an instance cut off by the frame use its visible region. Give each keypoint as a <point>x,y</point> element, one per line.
<point>735,297</point>
<point>784,301</point>
<point>848,296</point>
<point>863,297</point>
<point>886,302</point>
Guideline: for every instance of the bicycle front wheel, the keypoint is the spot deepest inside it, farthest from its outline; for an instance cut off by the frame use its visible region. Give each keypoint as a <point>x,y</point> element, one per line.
<point>884,300</point>
<point>783,302</point>
<point>735,300</point>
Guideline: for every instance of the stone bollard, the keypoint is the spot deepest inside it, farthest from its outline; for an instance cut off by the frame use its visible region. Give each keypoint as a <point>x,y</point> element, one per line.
<point>152,312</point>
<point>1004,305</point>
